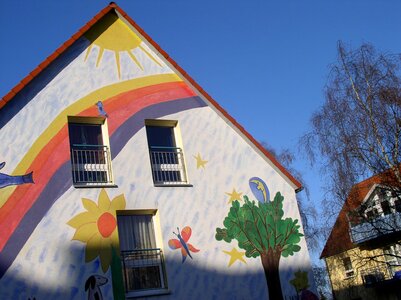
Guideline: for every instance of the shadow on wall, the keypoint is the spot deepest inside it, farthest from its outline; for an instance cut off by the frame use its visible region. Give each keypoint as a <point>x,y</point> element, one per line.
<point>185,280</point>
<point>378,291</point>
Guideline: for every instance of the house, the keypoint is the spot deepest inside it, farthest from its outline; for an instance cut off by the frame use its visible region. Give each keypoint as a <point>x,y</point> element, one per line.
<point>363,251</point>
<point>122,178</point>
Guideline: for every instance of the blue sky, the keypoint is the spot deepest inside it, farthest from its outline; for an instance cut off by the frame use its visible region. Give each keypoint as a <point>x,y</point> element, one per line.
<point>266,62</point>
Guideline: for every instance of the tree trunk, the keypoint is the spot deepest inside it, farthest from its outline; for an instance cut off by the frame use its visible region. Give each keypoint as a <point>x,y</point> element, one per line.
<point>270,262</point>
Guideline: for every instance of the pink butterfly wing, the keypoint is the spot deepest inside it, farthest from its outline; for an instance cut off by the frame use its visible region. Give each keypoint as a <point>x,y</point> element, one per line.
<point>192,248</point>
<point>174,244</point>
<point>186,233</point>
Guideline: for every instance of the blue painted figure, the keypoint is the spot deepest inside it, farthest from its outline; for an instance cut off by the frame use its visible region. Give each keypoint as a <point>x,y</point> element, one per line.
<point>101,110</point>
<point>259,189</point>
<point>6,180</point>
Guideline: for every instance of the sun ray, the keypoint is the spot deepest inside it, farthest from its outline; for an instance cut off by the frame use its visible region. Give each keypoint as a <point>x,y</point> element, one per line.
<point>88,51</point>
<point>118,63</point>
<point>112,34</point>
<point>136,61</point>
<point>99,57</point>
<point>149,55</point>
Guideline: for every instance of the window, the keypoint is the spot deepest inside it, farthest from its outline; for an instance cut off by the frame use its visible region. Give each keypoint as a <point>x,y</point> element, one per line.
<point>386,208</point>
<point>166,154</point>
<point>349,271</point>
<point>371,213</point>
<point>90,153</point>
<point>397,205</point>
<point>392,255</point>
<point>142,261</point>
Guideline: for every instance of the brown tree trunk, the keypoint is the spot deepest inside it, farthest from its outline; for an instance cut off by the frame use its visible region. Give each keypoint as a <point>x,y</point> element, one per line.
<point>270,262</point>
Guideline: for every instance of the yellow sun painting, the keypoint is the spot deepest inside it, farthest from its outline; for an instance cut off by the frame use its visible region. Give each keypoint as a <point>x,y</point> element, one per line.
<point>111,33</point>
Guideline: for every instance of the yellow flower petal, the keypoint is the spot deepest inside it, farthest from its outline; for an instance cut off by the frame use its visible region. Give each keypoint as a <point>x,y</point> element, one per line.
<point>118,203</point>
<point>104,201</point>
<point>91,206</point>
<point>105,255</point>
<point>81,219</point>
<point>93,247</point>
<point>85,232</point>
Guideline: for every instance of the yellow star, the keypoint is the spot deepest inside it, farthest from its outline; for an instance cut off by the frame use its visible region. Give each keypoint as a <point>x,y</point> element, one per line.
<point>234,196</point>
<point>235,255</point>
<point>200,162</point>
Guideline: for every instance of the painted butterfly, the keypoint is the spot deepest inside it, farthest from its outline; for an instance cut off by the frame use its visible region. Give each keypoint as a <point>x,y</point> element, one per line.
<point>182,243</point>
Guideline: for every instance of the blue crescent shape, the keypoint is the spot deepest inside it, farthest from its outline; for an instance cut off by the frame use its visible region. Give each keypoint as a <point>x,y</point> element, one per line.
<point>259,189</point>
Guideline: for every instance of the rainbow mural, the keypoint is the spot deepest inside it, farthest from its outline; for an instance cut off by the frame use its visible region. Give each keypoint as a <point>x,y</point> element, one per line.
<point>127,103</point>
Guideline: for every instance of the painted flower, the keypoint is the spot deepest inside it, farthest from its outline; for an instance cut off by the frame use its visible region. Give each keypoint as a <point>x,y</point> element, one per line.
<point>97,227</point>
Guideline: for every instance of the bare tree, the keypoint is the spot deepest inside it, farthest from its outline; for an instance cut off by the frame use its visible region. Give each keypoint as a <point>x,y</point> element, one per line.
<point>357,131</point>
<point>356,134</point>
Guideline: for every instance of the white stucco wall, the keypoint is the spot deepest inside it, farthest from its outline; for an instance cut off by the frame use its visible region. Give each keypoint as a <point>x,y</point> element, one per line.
<point>50,265</point>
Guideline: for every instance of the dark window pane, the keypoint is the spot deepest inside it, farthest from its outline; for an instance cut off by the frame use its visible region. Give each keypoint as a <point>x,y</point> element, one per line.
<point>160,136</point>
<point>85,134</point>
<point>397,205</point>
<point>385,207</point>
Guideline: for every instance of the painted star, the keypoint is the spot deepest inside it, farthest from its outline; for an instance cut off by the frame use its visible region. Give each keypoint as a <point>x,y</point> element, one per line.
<point>235,255</point>
<point>200,162</point>
<point>234,195</point>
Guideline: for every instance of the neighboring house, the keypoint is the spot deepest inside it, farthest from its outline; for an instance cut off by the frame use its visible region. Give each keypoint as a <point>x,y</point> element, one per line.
<point>363,251</point>
<point>121,177</point>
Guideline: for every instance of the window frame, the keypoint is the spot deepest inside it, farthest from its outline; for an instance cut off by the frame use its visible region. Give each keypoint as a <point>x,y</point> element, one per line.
<point>102,122</point>
<point>392,257</point>
<point>348,268</point>
<point>159,246</point>
<point>178,144</point>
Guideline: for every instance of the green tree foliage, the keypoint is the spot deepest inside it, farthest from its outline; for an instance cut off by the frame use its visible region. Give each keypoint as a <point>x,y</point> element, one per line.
<point>261,230</point>
<point>260,226</point>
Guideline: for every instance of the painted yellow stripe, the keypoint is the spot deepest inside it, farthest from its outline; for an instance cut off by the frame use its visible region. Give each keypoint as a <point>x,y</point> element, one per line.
<point>74,109</point>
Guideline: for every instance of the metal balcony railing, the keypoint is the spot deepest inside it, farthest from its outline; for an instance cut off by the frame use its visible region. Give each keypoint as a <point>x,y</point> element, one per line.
<point>143,270</point>
<point>91,164</point>
<point>367,230</point>
<point>168,165</point>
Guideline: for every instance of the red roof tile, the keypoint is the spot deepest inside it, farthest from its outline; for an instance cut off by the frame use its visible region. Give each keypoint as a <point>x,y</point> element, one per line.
<point>81,31</point>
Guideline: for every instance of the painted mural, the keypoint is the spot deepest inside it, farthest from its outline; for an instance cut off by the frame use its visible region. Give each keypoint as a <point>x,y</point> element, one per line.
<point>126,104</point>
<point>261,230</point>
<point>182,243</point>
<point>200,163</point>
<point>97,228</point>
<point>300,282</point>
<point>92,286</point>
<point>68,235</point>
<point>6,180</point>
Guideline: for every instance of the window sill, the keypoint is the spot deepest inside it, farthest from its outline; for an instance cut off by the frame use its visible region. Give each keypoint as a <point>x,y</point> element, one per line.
<point>132,295</point>
<point>173,185</point>
<point>98,185</point>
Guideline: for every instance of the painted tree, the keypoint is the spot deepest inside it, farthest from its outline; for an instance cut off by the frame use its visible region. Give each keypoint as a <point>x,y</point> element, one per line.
<point>261,230</point>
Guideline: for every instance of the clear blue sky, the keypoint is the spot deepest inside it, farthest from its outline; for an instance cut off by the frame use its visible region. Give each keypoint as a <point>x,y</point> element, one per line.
<point>265,62</point>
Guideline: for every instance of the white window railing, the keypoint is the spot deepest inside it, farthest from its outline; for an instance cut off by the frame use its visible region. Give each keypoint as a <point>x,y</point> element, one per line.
<point>168,165</point>
<point>91,165</point>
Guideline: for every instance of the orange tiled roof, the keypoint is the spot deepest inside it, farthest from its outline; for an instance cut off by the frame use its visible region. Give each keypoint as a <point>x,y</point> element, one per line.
<point>339,239</point>
<point>8,97</point>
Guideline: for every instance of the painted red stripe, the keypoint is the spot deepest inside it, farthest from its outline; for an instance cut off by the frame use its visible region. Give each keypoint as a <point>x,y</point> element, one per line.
<point>56,152</point>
